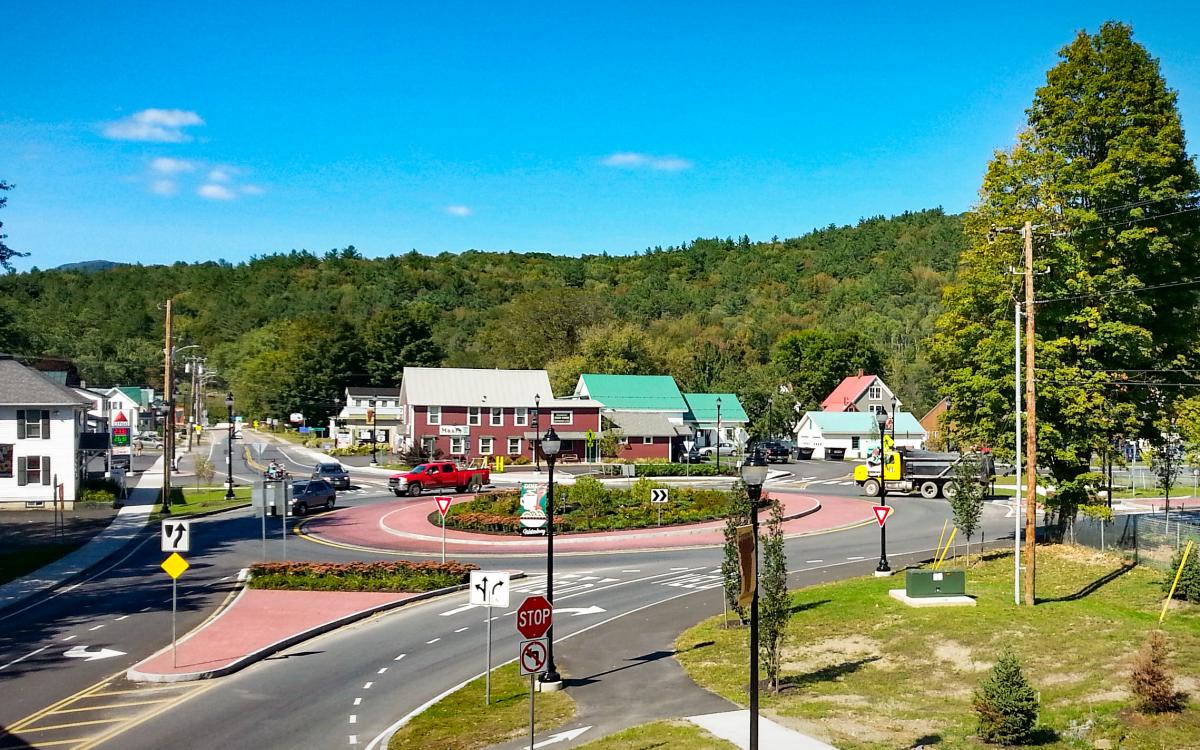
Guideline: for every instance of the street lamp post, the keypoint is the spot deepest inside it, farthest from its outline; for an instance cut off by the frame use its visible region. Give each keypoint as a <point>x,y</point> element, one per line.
<point>371,419</point>
<point>717,450</point>
<point>537,402</point>
<point>550,446</point>
<point>754,473</point>
<point>229,449</point>
<point>166,495</point>
<point>883,569</point>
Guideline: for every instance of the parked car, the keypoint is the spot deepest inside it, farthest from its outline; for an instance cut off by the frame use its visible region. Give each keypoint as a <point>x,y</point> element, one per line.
<point>773,450</point>
<point>149,440</point>
<point>334,473</point>
<point>724,449</point>
<point>441,475</point>
<point>309,494</point>
<point>691,456</point>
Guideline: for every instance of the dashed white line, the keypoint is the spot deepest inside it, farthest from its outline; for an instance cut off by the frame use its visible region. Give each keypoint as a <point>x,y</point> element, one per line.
<point>353,718</point>
<point>631,571</point>
<point>144,609</point>
<point>353,737</point>
<point>367,686</point>
<point>69,637</point>
<point>674,569</point>
<point>810,562</point>
<point>381,670</point>
<point>122,617</point>
<point>358,701</point>
<point>856,558</point>
<point>398,658</point>
<point>97,627</point>
<point>430,643</point>
<point>461,630</point>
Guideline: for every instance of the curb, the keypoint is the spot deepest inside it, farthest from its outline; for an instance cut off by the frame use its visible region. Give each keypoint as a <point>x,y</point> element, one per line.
<point>256,656</point>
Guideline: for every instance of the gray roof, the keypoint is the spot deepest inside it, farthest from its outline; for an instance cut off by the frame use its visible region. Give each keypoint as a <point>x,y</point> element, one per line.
<point>460,386</point>
<point>647,424</point>
<point>25,386</point>
<point>371,391</point>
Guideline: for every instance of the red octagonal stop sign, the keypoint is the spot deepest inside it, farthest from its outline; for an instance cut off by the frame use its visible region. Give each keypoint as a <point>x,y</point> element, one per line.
<point>534,616</point>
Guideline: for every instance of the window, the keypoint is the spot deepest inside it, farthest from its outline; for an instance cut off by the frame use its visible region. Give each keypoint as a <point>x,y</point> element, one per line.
<point>6,459</point>
<point>33,424</point>
<point>875,408</point>
<point>560,417</point>
<point>33,470</point>
<point>473,416</point>
<point>647,440</point>
<point>854,443</point>
<point>497,419</point>
<point>427,446</point>
<point>875,392</point>
<point>458,446</point>
<point>485,446</point>
<point>514,446</point>
<point>521,416</point>
<point>434,415</point>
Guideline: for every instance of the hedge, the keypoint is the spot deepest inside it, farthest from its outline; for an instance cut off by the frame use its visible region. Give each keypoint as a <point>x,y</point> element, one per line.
<point>392,575</point>
<point>680,470</point>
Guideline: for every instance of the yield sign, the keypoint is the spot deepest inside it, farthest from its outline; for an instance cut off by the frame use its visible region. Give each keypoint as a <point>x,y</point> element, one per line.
<point>882,512</point>
<point>443,504</point>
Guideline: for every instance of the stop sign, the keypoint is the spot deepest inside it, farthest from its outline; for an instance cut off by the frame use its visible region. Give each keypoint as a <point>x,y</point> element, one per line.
<point>534,616</point>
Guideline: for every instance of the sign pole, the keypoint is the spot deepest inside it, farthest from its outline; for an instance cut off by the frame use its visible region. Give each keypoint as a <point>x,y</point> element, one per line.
<point>531,710</point>
<point>487,682</point>
<point>443,538</point>
<point>285,517</point>
<point>264,520</point>
<point>174,639</point>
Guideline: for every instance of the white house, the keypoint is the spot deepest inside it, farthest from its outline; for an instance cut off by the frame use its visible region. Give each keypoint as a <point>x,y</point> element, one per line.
<point>852,434</point>
<point>40,423</point>
<point>353,424</point>
<point>865,393</point>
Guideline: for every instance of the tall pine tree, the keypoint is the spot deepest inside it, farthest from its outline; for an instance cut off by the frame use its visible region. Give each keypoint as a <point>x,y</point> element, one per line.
<point>1102,171</point>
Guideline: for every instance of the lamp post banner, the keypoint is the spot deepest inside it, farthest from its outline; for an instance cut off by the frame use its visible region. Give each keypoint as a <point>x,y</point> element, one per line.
<point>747,568</point>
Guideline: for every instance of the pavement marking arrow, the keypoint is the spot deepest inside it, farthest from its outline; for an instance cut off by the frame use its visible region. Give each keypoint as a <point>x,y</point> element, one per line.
<point>81,652</point>
<point>566,736</point>
<point>577,611</point>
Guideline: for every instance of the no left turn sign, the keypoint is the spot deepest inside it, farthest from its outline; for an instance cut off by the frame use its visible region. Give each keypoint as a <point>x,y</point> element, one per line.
<point>533,656</point>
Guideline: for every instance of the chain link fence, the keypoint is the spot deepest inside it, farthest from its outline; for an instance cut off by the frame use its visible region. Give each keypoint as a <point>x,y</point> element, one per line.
<point>1147,539</point>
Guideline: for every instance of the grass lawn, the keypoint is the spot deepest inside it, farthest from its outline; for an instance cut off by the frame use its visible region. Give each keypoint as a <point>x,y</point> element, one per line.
<point>660,735</point>
<point>207,499</point>
<point>461,721</point>
<point>15,564</point>
<point>861,670</point>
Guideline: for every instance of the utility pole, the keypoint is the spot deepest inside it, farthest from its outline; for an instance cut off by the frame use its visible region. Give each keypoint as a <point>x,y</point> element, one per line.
<point>1030,424</point>
<point>168,422</point>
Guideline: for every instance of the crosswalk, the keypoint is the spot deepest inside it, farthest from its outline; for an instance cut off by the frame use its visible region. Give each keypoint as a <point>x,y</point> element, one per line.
<point>697,580</point>
<point>813,481</point>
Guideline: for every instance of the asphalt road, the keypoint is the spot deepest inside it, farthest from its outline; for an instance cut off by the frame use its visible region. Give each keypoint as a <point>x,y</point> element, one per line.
<point>346,688</point>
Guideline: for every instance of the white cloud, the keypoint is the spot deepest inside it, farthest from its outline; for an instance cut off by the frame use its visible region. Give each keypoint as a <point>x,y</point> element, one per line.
<point>215,192</point>
<point>222,173</point>
<point>158,125</point>
<point>634,160</point>
<point>252,190</point>
<point>458,210</point>
<point>164,187</point>
<point>167,165</point>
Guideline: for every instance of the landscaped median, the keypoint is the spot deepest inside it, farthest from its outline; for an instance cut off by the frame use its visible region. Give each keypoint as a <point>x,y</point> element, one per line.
<point>392,575</point>
<point>863,671</point>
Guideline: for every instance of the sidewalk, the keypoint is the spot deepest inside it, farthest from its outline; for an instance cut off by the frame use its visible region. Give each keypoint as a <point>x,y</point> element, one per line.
<point>734,726</point>
<point>126,525</point>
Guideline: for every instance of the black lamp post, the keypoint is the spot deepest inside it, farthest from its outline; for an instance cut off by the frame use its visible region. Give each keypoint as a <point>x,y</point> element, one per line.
<point>537,402</point>
<point>371,419</point>
<point>881,418</point>
<point>229,449</point>
<point>166,495</point>
<point>754,473</point>
<point>550,446</point>
<point>717,450</point>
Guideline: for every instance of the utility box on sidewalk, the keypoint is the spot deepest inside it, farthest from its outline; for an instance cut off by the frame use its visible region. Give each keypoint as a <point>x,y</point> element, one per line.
<point>921,583</point>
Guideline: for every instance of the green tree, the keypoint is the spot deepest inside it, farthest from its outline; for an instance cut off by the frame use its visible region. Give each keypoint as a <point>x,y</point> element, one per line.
<point>814,362</point>
<point>1007,705</point>
<point>1166,461</point>
<point>774,604</point>
<point>967,495</point>
<point>738,514</point>
<point>1102,170</point>
<point>397,338</point>
<point>6,252</point>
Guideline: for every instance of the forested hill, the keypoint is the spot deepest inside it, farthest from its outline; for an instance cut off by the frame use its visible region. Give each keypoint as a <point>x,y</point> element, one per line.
<point>291,330</point>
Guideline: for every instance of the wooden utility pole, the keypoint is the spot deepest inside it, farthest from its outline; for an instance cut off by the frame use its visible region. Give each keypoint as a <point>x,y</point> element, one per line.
<point>168,421</point>
<point>1030,424</point>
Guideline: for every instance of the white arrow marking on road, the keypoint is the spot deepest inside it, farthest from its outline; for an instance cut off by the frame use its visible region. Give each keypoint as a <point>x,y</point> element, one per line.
<point>577,611</point>
<point>566,736</point>
<point>81,652</point>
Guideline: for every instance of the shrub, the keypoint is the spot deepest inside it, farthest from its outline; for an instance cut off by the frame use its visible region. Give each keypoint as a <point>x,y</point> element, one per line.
<point>660,469</point>
<point>97,495</point>
<point>399,575</point>
<point>1151,680</point>
<point>521,460</point>
<point>1189,580</point>
<point>1006,703</point>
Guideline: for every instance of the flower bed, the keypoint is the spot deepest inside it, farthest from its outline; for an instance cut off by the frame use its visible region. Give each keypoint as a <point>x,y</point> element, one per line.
<point>393,575</point>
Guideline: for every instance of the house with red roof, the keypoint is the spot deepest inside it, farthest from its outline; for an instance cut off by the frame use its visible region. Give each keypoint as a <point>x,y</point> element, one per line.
<point>864,393</point>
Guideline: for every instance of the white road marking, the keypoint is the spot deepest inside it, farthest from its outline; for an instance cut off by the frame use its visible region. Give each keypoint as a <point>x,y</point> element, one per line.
<point>23,658</point>
<point>353,737</point>
<point>430,643</point>
<point>353,718</point>
<point>69,637</point>
<point>461,630</point>
<point>381,670</point>
<point>122,617</point>
<point>623,571</point>
<point>357,701</point>
<point>856,558</point>
<point>147,609</point>
<point>810,562</point>
<point>97,627</point>
<point>674,569</point>
<point>456,610</point>
<point>398,658</point>
<point>368,685</point>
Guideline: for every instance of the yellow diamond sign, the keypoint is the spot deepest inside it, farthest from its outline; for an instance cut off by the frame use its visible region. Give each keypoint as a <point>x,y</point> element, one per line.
<point>175,565</point>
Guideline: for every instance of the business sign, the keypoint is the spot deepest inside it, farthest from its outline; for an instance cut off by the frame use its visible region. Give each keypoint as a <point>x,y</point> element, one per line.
<point>295,417</point>
<point>454,430</point>
<point>121,435</point>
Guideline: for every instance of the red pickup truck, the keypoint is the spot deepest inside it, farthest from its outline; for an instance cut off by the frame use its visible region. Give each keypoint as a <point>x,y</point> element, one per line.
<point>435,476</point>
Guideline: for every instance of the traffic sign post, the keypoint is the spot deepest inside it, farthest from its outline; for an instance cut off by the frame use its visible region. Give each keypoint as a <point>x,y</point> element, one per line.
<point>882,513</point>
<point>488,588</point>
<point>443,504</point>
<point>174,567</point>
<point>176,536</point>
<point>658,496</point>
<point>534,617</point>
<point>532,658</point>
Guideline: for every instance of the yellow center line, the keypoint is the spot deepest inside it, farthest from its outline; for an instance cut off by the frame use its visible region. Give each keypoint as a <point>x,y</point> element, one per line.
<point>36,715</point>
<point>113,705</point>
<point>155,689</point>
<point>109,734</point>
<point>74,724</point>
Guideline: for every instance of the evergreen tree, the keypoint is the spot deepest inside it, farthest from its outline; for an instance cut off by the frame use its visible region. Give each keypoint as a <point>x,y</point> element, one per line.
<point>1103,171</point>
<point>1006,703</point>
<point>1151,679</point>
<point>774,604</point>
<point>966,496</point>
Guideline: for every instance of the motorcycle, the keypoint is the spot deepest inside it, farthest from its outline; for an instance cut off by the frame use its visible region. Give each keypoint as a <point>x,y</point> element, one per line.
<point>275,472</point>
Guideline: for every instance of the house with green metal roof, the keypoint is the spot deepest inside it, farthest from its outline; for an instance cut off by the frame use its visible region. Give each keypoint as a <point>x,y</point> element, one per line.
<point>633,392</point>
<point>853,434</point>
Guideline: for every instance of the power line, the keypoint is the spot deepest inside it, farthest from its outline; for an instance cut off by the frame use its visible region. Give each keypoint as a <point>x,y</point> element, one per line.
<point>1112,292</point>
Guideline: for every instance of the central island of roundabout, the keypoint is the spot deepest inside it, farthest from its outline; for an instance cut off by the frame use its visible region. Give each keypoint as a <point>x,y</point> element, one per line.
<point>403,527</point>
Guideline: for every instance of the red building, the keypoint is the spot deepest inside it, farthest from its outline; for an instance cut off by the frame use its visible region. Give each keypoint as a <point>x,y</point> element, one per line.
<point>464,413</point>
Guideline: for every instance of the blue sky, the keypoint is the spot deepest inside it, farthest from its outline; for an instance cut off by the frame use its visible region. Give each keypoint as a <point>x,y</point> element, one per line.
<point>156,132</point>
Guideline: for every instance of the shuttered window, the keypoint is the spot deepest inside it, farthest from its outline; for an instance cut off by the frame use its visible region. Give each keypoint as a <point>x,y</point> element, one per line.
<point>33,424</point>
<point>33,470</point>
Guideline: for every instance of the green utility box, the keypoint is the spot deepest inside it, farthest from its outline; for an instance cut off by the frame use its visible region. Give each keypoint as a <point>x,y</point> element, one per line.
<point>919,583</point>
